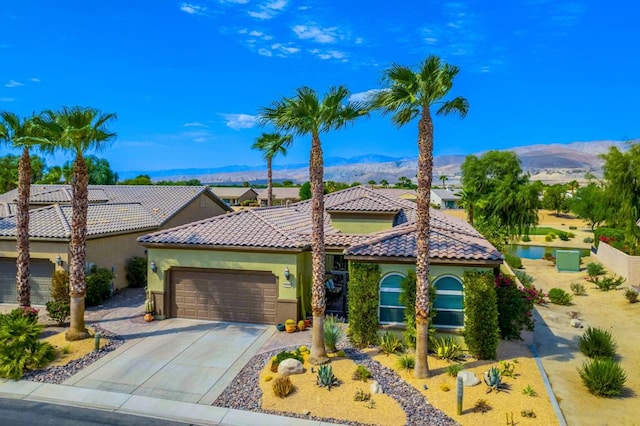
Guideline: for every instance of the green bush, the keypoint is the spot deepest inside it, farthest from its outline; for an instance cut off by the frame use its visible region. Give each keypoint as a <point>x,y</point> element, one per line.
<point>453,369</point>
<point>481,333</point>
<point>136,268</point>
<point>594,269</point>
<point>20,348</point>
<point>573,227</point>
<point>588,240</point>
<point>363,304</point>
<point>526,238</point>
<point>281,356</point>
<point>514,307</point>
<point>390,344</point>
<point>597,343</point>
<point>24,311</point>
<point>603,377</point>
<point>60,286</point>
<point>332,332</point>
<point>608,283</point>
<point>58,311</point>
<point>446,348</point>
<point>564,236</point>
<point>559,296</point>
<point>513,261</point>
<point>631,295</point>
<point>548,238</point>
<point>525,279</point>
<point>98,286</point>
<point>578,289</point>
<point>406,361</point>
<point>408,299</point>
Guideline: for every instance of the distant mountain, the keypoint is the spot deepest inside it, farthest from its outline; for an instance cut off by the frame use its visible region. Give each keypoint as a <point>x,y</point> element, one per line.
<point>549,163</point>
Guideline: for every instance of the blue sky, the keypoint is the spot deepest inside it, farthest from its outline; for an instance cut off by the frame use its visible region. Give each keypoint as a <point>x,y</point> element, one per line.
<point>187,78</point>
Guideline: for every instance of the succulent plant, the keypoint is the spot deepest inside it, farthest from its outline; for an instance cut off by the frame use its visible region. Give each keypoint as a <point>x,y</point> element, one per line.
<point>325,378</point>
<point>493,379</point>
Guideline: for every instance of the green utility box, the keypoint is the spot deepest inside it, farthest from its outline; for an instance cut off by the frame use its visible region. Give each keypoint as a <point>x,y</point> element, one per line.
<point>568,260</point>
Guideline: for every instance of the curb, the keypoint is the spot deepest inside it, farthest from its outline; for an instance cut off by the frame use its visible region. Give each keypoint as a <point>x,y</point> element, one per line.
<point>547,385</point>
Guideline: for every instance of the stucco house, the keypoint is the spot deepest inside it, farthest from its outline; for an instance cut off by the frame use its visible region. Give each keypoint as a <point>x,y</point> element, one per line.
<point>281,195</point>
<point>117,216</point>
<point>445,199</point>
<point>255,265</point>
<point>235,196</point>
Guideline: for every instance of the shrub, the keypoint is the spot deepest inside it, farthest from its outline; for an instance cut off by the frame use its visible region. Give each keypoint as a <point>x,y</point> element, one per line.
<point>594,269</point>
<point>525,279</point>
<point>513,261</point>
<point>332,332</point>
<point>481,406</point>
<point>406,361</point>
<point>453,369</point>
<point>60,286</point>
<point>631,295</point>
<point>446,348</point>
<point>136,268</point>
<point>597,343</point>
<point>98,286</point>
<point>325,377</point>
<point>20,348</point>
<point>363,303</point>
<point>24,311</point>
<point>58,311</point>
<point>559,296</point>
<point>282,386</point>
<point>281,356</point>
<point>389,343</point>
<point>603,377</point>
<point>578,289</point>
<point>361,395</point>
<point>588,240</point>
<point>573,227</point>
<point>508,369</point>
<point>526,238</point>
<point>548,238</point>
<point>361,373</point>
<point>408,299</point>
<point>608,283</point>
<point>514,307</point>
<point>528,391</point>
<point>564,236</point>
<point>481,332</point>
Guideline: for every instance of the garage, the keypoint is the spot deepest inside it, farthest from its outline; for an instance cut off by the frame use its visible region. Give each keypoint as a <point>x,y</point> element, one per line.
<point>41,272</point>
<point>223,295</point>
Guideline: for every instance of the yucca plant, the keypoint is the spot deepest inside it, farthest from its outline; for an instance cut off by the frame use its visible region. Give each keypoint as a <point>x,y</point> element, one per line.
<point>332,333</point>
<point>20,348</point>
<point>603,377</point>
<point>493,379</point>
<point>406,361</point>
<point>453,369</point>
<point>325,377</point>
<point>389,343</point>
<point>597,343</point>
<point>446,348</point>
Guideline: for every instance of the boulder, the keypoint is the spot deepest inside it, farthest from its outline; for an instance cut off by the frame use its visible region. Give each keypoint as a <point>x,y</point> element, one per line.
<point>375,387</point>
<point>290,366</point>
<point>468,378</point>
<point>576,323</point>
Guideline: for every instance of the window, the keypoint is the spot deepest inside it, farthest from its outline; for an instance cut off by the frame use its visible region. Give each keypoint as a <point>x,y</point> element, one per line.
<point>449,302</point>
<point>391,310</point>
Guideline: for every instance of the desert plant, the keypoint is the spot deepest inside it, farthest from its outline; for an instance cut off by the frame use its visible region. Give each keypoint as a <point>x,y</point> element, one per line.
<point>528,391</point>
<point>526,238</point>
<point>361,373</point>
<point>594,269</point>
<point>98,286</point>
<point>493,379</point>
<point>325,377</point>
<point>444,387</point>
<point>59,291</point>
<point>363,302</point>
<point>573,227</point>
<point>361,395</point>
<point>608,283</point>
<point>24,312</point>
<point>578,289</point>
<point>406,361</point>
<point>525,279</point>
<point>446,348</point>
<point>332,332</point>
<point>631,295</point>
<point>528,414</point>
<point>564,236</point>
<point>58,311</point>
<point>282,386</point>
<point>481,406</point>
<point>559,296</point>
<point>597,343</point>
<point>603,377</point>
<point>453,369</point>
<point>508,369</point>
<point>20,348</point>
<point>513,261</point>
<point>341,353</point>
<point>281,356</point>
<point>389,343</point>
<point>588,240</point>
<point>136,269</point>
<point>66,349</point>
<point>481,332</point>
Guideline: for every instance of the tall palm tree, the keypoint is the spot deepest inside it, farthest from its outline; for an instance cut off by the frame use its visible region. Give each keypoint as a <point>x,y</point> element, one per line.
<point>444,178</point>
<point>78,130</point>
<point>271,144</point>
<point>410,94</point>
<point>305,114</point>
<point>22,133</point>
<point>470,198</point>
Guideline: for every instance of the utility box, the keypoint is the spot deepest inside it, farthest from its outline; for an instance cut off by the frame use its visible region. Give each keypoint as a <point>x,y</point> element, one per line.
<point>568,260</point>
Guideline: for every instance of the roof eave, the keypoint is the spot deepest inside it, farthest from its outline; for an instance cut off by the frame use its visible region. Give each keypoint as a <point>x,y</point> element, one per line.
<point>253,249</point>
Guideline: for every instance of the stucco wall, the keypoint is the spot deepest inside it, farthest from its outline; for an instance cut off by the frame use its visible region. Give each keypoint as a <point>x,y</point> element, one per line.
<point>434,270</point>
<point>360,224</point>
<point>619,263</point>
<point>200,208</point>
<point>38,250</point>
<point>115,251</point>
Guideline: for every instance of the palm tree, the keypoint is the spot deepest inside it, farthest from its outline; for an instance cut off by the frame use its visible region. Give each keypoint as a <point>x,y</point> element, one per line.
<point>271,144</point>
<point>305,114</point>
<point>78,130</point>
<point>372,183</point>
<point>469,199</point>
<point>443,178</point>
<point>22,133</point>
<point>410,94</point>
<point>384,183</point>
<point>404,182</point>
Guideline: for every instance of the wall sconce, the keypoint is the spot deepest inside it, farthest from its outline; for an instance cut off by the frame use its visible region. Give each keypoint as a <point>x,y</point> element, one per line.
<point>59,260</point>
<point>287,274</point>
<point>153,266</point>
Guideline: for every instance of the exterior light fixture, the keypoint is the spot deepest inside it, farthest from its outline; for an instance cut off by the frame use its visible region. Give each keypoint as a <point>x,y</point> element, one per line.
<point>153,266</point>
<point>58,260</point>
<point>287,274</point>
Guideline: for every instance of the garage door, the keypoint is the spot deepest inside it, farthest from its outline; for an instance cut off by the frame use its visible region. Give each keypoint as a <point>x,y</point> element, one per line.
<point>41,272</point>
<point>223,295</point>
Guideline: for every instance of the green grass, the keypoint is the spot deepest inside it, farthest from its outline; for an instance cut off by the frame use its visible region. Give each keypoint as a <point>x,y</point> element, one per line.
<point>543,230</point>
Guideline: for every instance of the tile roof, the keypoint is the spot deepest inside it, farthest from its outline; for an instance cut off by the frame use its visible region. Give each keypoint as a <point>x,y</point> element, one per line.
<point>445,194</point>
<point>280,193</point>
<point>397,192</point>
<point>235,192</point>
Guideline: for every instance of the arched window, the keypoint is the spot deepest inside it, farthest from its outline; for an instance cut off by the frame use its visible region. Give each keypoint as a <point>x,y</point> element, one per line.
<point>391,310</point>
<point>449,302</point>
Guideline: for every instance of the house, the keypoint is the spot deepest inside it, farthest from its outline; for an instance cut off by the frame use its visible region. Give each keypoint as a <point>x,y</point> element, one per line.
<point>445,198</point>
<point>255,265</point>
<point>235,196</point>
<point>403,193</point>
<point>281,195</point>
<point>117,216</point>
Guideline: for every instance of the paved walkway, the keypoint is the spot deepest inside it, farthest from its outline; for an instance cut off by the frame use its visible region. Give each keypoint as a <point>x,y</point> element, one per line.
<point>171,369</point>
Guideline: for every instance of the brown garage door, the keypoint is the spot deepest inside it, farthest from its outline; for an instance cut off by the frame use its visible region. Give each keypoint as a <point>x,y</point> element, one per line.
<point>41,272</point>
<point>223,295</point>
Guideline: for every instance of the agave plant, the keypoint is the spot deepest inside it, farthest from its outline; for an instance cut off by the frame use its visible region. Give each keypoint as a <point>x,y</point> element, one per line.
<point>325,378</point>
<point>493,379</point>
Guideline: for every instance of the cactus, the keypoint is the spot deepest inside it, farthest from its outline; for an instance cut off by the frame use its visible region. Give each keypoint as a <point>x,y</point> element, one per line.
<point>460,392</point>
<point>282,386</point>
<point>325,378</point>
<point>493,379</point>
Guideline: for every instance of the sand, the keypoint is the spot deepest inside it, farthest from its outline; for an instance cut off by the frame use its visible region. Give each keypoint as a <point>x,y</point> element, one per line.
<point>76,349</point>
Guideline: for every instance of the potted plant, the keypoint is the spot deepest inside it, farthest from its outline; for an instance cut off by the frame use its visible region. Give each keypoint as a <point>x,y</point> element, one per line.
<point>301,325</point>
<point>280,327</point>
<point>149,307</point>
<point>290,325</point>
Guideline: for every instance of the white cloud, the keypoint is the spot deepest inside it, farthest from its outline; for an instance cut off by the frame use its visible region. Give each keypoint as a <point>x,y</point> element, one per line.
<point>315,33</point>
<point>287,50</point>
<point>235,1</point>
<point>194,124</point>
<point>193,9</point>
<point>269,9</point>
<point>265,52</point>
<point>35,80</point>
<point>329,54</point>
<point>7,99</point>
<point>13,83</point>
<point>239,121</point>
<point>363,96</point>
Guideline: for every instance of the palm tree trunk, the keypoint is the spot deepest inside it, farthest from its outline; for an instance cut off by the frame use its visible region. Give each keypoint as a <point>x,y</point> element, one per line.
<point>316,176</point>
<point>471,214</point>
<point>23,287</point>
<point>77,249</point>
<point>425,172</point>
<point>269,183</point>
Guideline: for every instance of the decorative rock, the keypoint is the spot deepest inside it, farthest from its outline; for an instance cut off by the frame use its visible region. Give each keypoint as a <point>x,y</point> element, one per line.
<point>576,323</point>
<point>290,366</point>
<point>376,388</point>
<point>468,378</point>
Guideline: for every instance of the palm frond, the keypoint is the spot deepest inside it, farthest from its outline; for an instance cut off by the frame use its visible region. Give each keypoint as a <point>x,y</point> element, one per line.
<point>458,105</point>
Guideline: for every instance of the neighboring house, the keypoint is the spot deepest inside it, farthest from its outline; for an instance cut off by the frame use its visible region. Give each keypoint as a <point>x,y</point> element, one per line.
<point>281,195</point>
<point>445,199</point>
<point>403,193</point>
<point>117,216</point>
<point>255,265</point>
<point>235,196</point>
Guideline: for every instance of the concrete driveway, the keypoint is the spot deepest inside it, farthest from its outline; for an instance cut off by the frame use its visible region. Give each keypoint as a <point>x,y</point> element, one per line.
<point>176,359</point>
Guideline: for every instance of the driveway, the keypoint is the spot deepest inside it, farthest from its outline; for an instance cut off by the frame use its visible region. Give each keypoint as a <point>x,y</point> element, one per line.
<point>175,359</point>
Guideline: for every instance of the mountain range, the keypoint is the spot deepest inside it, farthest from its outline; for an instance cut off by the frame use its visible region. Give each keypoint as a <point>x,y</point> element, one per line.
<point>550,163</point>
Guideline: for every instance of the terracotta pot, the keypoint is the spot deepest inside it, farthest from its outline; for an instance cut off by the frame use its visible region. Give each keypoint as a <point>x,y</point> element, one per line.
<point>148,317</point>
<point>307,323</point>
